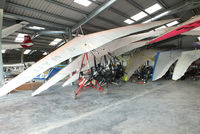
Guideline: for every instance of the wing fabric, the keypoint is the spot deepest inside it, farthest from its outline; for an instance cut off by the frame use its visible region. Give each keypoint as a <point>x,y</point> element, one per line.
<point>77,46</point>
<point>9,30</point>
<point>185,27</point>
<point>75,65</point>
<point>186,59</point>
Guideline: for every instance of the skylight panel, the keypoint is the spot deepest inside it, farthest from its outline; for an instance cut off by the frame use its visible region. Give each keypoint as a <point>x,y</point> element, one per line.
<point>20,37</point>
<point>85,3</point>
<point>27,51</point>
<point>156,7</point>
<point>45,53</point>
<point>172,23</point>
<point>36,28</point>
<point>161,27</point>
<point>129,21</point>
<point>3,51</point>
<point>198,38</point>
<point>139,16</point>
<point>55,42</point>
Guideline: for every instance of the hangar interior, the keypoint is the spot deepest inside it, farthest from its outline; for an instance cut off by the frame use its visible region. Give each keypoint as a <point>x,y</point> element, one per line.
<point>99,66</point>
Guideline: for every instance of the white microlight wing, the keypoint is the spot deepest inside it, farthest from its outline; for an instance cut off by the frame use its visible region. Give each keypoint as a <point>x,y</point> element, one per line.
<point>139,58</point>
<point>75,65</point>
<point>11,29</point>
<point>77,46</point>
<point>163,62</point>
<point>10,46</point>
<point>186,59</point>
<point>118,47</point>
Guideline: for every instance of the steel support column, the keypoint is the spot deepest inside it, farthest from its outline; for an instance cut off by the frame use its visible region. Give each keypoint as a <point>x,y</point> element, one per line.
<point>70,38</point>
<point>1,59</point>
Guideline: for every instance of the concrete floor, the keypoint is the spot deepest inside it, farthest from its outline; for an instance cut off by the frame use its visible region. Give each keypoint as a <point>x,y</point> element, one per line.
<point>163,107</point>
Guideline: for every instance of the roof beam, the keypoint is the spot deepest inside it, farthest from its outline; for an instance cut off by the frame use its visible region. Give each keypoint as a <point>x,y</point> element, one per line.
<point>78,10</point>
<point>93,14</point>
<point>41,12</point>
<point>45,13</point>
<point>67,6</point>
<point>161,2</point>
<point>33,20</point>
<point>98,27</point>
<point>115,11</point>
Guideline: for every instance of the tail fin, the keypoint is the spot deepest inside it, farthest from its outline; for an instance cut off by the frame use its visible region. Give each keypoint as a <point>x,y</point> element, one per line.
<point>27,42</point>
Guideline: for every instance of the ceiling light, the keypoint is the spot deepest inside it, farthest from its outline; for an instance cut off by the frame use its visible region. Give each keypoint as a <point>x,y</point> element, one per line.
<point>153,8</point>
<point>55,42</point>
<point>83,2</point>
<point>20,37</point>
<point>172,23</point>
<point>3,51</point>
<point>198,38</point>
<point>139,16</point>
<point>36,28</point>
<point>161,27</point>
<point>45,53</point>
<point>27,51</point>
<point>129,21</point>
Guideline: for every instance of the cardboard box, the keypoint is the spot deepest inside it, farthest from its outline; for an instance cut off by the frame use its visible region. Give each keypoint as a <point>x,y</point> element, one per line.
<point>29,86</point>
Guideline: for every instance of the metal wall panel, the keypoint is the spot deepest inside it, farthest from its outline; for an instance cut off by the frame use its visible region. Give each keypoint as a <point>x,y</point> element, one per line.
<point>113,16</point>
<point>124,6</point>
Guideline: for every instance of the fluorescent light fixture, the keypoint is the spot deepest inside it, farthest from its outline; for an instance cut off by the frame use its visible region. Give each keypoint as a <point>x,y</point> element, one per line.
<point>45,53</point>
<point>36,28</point>
<point>153,8</point>
<point>55,42</point>
<point>129,21</point>
<point>161,27</point>
<point>172,23</point>
<point>20,37</point>
<point>83,2</point>
<point>139,16</point>
<point>3,51</point>
<point>27,51</point>
<point>198,38</point>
